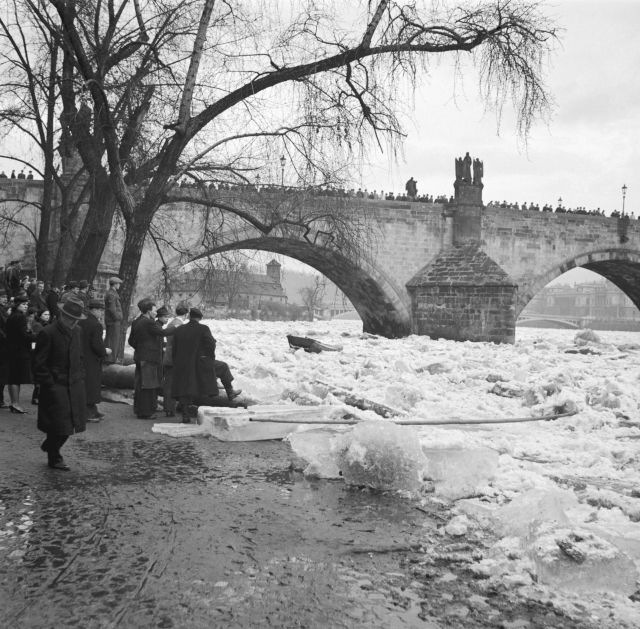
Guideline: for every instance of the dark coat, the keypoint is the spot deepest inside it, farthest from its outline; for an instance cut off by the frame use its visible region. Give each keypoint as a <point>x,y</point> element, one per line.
<point>4,354</point>
<point>19,340</point>
<point>38,300</point>
<point>58,367</point>
<point>194,350</point>
<point>94,352</point>
<point>52,303</point>
<point>146,338</point>
<point>112,307</point>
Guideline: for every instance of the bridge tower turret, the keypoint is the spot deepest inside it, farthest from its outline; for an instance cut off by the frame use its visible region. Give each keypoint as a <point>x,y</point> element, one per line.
<point>462,294</point>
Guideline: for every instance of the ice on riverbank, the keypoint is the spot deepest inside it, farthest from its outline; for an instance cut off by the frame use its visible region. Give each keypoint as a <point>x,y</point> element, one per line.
<point>460,472</point>
<point>382,455</point>
<point>576,560</point>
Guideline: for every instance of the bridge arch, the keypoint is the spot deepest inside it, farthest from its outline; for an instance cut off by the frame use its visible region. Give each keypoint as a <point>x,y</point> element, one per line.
<point>379,303</point>
<point>620,266</point>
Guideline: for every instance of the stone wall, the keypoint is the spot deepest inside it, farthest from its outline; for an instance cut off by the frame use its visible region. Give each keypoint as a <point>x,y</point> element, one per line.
<point>464,313</point>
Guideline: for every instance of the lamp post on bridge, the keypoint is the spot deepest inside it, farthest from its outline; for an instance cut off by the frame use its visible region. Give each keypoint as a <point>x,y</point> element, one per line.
<point>624,196</point>
<point>283,161</point>
<point>559,201</point>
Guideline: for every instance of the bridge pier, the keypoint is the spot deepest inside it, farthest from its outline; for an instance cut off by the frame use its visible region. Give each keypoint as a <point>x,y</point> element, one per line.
<point>462,294</point>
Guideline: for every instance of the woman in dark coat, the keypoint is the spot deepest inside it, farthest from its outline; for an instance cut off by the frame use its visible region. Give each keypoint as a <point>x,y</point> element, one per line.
<point>4,352</point>
<point>58,368</point>
<point>19,340</point>
<point>39,321</point>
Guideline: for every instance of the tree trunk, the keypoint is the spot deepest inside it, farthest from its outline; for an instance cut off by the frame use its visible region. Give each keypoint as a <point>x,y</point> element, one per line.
<point>44,250</point>
<point>129,264</point>
<point>64,254</point>
<point>95,231</point>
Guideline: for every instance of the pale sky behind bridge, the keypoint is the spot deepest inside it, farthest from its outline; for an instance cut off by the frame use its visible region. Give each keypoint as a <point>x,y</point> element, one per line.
<point>584,154</point>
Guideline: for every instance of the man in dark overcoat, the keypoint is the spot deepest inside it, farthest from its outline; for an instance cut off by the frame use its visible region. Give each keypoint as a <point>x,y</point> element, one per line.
<point>146,338</point>
<point>94,353</point>
<point>194,353</point>
<point>167,363</point>
<point>58,367</point>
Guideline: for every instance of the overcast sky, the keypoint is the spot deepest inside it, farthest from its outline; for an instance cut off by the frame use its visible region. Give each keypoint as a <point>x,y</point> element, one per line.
<point>587,151</point>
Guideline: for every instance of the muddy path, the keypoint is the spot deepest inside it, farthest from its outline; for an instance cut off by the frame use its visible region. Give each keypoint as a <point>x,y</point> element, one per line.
<point>149,531</point>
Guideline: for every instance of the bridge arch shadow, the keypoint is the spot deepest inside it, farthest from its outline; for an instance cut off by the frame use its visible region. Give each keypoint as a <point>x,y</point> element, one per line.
<point>376,300</point>
<point>620,266</point>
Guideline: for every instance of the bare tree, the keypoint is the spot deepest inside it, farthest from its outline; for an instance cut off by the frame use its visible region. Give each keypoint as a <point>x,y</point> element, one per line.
<point>313,295</point>
<point>230,277</point>
<point>157,90</point>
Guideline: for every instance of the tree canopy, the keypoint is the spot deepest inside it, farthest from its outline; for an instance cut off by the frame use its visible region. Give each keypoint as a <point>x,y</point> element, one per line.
<point>147,92</point>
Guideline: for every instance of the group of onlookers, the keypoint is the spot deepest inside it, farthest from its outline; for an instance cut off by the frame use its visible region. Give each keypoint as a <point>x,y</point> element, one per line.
<point>54,340</point>
<point>176,358</point>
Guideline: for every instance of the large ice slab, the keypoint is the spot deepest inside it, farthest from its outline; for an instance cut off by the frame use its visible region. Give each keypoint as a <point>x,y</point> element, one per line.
<point>382,455</point>
<point>315,451</point>
<point>579,561</point>
<point>460,472</point>
<point>234,424</point>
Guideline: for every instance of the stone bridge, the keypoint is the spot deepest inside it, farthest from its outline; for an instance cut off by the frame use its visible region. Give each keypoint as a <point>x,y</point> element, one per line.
<point>456,270</point>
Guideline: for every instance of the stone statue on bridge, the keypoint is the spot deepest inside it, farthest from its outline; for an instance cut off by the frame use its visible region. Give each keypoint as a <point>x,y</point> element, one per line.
<point>463,170</point>
<point>478,171</point>
<point>466,168</point>
<point>459,169</point>
<point>412,188</point>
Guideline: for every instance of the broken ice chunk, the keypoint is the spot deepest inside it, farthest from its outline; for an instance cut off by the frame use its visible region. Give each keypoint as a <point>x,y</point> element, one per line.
<point>579,561</point>
<point>315,452</point>
<point>526,512</point>
<point>460,472</point>
<point>383,456</point>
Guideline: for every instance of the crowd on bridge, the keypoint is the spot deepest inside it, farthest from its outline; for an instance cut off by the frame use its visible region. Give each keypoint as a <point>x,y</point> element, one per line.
<point>55,340</point>
<point>410,195</point>
<point>558,209</point>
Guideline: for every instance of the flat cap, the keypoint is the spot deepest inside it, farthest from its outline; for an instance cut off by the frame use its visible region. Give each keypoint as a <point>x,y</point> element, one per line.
<point>115,280</point>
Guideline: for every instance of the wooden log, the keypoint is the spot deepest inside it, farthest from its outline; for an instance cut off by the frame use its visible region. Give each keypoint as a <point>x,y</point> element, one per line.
<point>118,376</point>
<point>424,422</point>
<point>364,404</point>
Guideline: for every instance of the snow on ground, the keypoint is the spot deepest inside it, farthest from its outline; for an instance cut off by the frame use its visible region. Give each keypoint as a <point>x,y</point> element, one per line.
<point>581,473</point>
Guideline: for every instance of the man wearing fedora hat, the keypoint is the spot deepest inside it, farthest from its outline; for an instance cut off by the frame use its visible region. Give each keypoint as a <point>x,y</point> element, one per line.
<point>113,319</point>
<point>146,338</point>
<point>58,369</point>
<point>94,353</point>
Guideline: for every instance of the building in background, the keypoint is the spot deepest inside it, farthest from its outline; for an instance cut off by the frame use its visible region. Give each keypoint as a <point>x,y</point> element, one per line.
<point>234,288</point>
<point>596,305</point>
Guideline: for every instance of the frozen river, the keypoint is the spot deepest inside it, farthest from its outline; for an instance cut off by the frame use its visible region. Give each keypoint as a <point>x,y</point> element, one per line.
<point>574,483</point>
